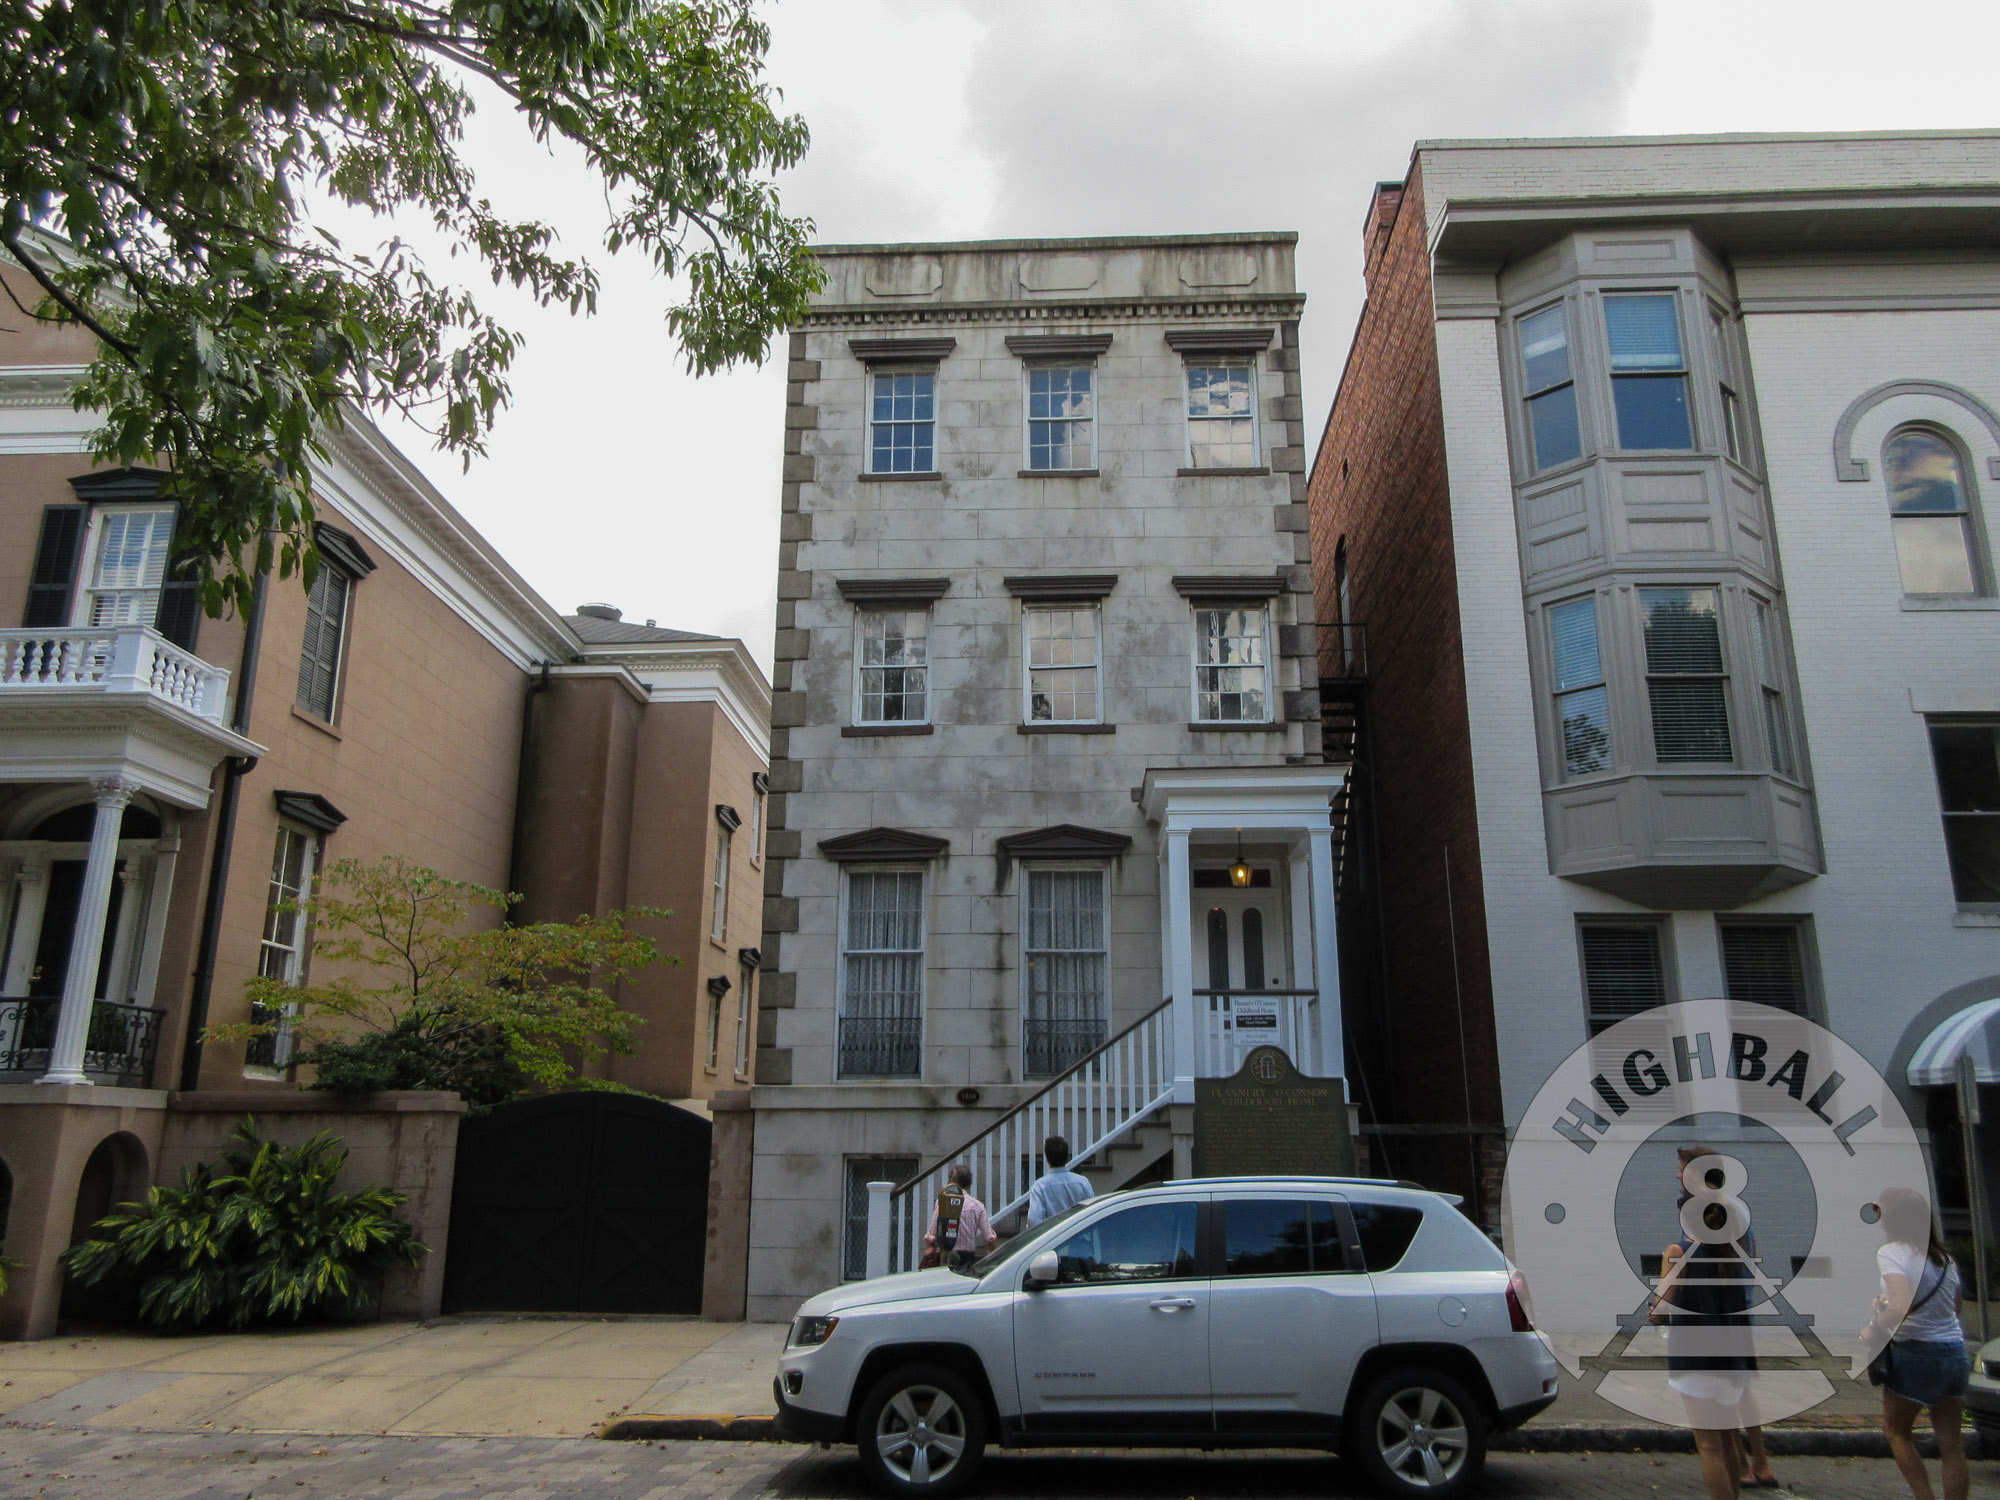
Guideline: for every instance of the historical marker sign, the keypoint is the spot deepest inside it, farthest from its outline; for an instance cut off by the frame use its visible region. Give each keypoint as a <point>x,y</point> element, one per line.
<point>1270,1119</point>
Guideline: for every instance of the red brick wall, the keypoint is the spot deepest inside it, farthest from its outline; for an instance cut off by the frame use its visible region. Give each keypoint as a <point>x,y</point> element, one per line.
<point>1379,483</point>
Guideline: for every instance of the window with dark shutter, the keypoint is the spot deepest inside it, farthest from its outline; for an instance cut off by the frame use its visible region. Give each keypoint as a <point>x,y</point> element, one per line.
<point>180,603</point>
<point>1622,972</point>
<point>50,586</point>
<point>326,624</point>
<point>1765,963</point>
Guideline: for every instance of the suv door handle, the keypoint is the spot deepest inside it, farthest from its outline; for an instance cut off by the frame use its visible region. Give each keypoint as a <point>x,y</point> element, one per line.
<point>1172,1304</point>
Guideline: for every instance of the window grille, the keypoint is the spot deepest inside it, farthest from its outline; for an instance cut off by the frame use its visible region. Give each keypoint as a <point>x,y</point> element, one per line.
<point>1062,411</point>
<point>903,425</point>
<point>859,1172</point>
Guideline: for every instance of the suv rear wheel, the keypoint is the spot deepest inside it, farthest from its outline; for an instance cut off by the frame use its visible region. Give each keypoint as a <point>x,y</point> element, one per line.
<point>921,1432</point>
<point>1418,1432</point>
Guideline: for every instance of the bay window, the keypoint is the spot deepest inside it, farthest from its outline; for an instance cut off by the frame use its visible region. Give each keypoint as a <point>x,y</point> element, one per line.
<point>1583,714</point>
<point>1649,387</point>
<point>1685,686</point>
<point>1549,382</point>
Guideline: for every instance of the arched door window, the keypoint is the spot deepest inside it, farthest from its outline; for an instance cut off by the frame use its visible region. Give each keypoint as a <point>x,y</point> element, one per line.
<point>1930,508</point>
<point>1218,948</point>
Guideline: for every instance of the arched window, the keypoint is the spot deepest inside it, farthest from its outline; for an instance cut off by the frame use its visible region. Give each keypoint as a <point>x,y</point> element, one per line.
<point>1930,508</point>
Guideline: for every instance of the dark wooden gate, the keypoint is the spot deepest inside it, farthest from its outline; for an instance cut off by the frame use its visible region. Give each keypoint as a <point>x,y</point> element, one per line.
<point>579,1203</point>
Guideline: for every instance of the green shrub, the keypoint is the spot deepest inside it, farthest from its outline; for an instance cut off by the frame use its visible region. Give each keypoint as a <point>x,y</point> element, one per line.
<point>269,1241</point>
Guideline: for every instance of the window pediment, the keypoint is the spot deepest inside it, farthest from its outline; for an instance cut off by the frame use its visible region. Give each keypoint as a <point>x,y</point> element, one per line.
<point>1064,841</point>
<point>885,844</point>
<point>310,809</point>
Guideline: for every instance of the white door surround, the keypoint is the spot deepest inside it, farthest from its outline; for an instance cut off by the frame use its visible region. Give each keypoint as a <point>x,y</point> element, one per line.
<point>1204,816</point>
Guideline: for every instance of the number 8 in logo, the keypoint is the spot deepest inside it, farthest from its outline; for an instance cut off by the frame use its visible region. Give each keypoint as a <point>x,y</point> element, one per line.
<point>1715,1213</point>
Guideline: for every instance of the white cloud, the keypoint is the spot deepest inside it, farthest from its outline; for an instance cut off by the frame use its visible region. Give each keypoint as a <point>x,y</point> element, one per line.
<point>615,476</point>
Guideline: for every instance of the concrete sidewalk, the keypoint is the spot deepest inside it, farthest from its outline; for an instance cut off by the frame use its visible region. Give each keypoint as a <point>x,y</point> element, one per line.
<point>499,1376</point>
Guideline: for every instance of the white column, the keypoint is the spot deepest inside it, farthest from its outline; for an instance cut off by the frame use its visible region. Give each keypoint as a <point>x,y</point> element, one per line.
<point>159,897</point>
<point>1177,907</point>
<point>1305,964</point>
<point>131,907</point>
<point>31,895</point>
<point>87,941</point>
<point>1326,956</point>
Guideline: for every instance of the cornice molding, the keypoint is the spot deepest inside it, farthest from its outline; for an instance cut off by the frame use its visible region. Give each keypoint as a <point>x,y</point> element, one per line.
<point>1047,345</point>
<point>1229,585</point>
<point>1056,587</point>
<point>892,590</point>
<point>1220,340</point>
<point>870,350</point>
<point>23,386</point>
<point>1278,308</point>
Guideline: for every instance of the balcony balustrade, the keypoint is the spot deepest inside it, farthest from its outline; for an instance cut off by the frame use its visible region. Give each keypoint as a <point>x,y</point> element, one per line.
<point>125,659</point>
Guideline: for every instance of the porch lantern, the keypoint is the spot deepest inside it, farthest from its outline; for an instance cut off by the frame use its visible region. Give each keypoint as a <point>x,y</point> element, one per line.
<point>1239,873</point>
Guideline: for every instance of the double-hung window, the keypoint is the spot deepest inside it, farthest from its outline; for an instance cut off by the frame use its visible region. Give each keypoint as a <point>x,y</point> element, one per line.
<point>1066,966</point>
<point>1062,417</point>
<point>718,882</point>
<point>1649,388</point>
<point>1549,381</point>
<point>746,977</point>
<point>1624,971</point>
<point>281,953</point>
<point>892,666</point>
<point>902,423</point>
<point>1967,757</point>
<point>1729,383</point>
<point>1062,676</point>
<point>325,638</point>
<point>129,567</point>
<point>881,975</point>
<point>1685,685</point>
<point>1764,639</point>
<point>1930,511</point>
<point>1222,415</point>
<point>1582,709</point>
<point>1231,665</point>
<point>717,988</point>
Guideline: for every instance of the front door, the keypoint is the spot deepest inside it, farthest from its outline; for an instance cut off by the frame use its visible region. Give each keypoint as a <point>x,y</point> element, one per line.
<point>1120,1343</point>
<point>1239,950</point>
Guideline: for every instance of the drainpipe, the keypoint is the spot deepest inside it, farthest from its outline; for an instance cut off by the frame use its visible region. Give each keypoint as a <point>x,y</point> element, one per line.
<point>233,772</point>
<point>523,776</point>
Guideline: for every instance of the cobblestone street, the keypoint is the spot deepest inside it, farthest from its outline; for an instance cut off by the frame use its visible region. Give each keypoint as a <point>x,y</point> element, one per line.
<point>68,1464</point>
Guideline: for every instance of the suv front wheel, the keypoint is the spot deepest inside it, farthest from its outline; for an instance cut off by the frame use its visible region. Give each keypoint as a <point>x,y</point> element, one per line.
<point>1418,1432</point>
<point>921,1432</point>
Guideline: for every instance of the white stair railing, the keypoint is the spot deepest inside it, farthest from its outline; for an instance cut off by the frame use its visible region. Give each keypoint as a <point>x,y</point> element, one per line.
<point>1092,1105</point>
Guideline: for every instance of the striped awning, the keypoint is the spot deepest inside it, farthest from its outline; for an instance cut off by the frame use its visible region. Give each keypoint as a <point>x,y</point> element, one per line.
<point>1975,1030</point>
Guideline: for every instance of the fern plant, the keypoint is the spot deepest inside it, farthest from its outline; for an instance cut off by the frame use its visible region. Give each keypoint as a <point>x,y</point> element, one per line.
<point>270,1240</point>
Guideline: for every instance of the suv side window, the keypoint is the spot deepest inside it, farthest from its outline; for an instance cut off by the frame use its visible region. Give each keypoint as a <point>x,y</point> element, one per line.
<point>1279,1237</point>
<point>1385,1231</point>
<point>1148,1242</point>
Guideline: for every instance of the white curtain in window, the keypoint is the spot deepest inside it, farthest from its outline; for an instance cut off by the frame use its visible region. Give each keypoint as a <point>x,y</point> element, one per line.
<point>1066,963</point>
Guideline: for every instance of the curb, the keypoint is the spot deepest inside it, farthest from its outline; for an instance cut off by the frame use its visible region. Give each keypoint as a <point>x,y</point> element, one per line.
<point>1808,1442</point>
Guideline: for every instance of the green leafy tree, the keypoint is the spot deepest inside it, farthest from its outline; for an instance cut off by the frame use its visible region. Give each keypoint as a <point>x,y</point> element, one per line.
<point>155,162</point>
<point>419,999</point>
<point>272,1240</point>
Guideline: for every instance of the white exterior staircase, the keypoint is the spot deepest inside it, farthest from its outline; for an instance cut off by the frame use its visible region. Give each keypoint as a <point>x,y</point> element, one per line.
<point>1111,1107</point>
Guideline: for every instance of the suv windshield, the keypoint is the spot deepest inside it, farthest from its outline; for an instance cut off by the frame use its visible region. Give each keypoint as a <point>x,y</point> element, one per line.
<point>997,1257</point>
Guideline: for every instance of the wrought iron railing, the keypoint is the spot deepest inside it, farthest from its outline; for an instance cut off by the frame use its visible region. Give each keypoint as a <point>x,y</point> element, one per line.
<point>1050,1046</point>
<point>881,1047</point>
<point>118,1049</point>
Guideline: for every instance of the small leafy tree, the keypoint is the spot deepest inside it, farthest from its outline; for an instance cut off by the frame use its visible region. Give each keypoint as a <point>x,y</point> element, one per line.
<point>419,1001</point>
<point>271,1240</point>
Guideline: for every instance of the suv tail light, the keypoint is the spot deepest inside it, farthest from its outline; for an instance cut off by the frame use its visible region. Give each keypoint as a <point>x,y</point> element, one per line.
<point>1517,1306</point>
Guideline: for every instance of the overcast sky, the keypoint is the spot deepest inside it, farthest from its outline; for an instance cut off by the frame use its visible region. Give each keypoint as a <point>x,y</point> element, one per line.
<point>616,477</point>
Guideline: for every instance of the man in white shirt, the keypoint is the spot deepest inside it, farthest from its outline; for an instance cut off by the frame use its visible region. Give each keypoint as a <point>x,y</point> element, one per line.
<point>1058,1188</point>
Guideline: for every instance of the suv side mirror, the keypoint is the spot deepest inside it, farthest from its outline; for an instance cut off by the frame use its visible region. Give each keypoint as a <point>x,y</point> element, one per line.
<point>1042,1271</point>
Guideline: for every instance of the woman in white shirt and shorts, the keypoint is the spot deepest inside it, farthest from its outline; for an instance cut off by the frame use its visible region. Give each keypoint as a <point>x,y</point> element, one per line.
<point>1929,1366</point>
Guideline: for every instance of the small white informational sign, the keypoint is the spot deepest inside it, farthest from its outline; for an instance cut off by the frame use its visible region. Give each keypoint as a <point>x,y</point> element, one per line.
<point>1256,1015</point>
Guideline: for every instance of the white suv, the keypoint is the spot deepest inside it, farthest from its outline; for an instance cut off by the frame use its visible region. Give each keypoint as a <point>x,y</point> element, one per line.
<point>1370,1317</point>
